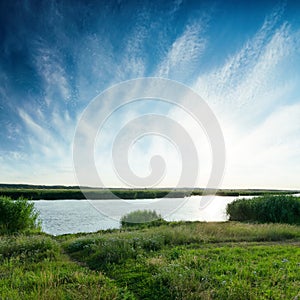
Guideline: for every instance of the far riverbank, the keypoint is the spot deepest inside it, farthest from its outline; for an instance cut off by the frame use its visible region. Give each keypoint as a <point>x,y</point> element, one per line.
<point>41,192</point>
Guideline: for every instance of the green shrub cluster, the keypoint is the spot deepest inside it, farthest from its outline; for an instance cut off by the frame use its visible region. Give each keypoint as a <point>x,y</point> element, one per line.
<point>17,215</point>
<point>142,218</point>
<point>266,209</point>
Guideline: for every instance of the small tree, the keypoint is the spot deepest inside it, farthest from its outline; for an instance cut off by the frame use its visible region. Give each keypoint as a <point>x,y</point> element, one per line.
<point>142,218</point>
<point>17,215</point>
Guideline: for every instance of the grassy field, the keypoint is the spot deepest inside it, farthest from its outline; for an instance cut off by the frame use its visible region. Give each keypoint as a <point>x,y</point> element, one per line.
<point>35,267</point>
<point>36,192</point>
<point>185,260</point>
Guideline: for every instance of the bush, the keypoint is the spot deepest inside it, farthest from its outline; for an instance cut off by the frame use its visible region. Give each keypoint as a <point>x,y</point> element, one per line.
<point>17,215</point>
<point>266,209</point>
<point>142,218</point>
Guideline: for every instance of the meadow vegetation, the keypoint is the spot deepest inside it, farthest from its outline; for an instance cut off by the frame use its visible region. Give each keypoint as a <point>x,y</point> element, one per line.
<point>146,260</point>
<point>196,260</point>
<point>182,260</point>
<point>35,267</point>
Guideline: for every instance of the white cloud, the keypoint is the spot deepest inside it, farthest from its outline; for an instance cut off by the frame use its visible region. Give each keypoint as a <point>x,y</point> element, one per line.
<point>246,93</point>
<point>50,152</point>
<point>269,155</point>
<point>248,79</point>
<point>133,63</point>
<point>183,53</point>
<point>176,6</point>
<point>49,66</point>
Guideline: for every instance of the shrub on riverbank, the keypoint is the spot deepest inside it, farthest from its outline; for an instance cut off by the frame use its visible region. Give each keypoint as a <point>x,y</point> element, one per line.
<point>17,215</point>
<point>142,218</point>
<point>266,209</point>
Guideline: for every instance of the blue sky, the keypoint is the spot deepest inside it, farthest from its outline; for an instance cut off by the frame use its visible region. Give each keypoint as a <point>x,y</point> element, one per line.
<point>242,58</point>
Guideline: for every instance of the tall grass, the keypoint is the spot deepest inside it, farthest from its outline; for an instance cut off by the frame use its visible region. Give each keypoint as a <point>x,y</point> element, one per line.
<point>101,251</point>
<point>196,260</point>
<point>266,209</point>
<point>184,260</point>
<point>34,267</point>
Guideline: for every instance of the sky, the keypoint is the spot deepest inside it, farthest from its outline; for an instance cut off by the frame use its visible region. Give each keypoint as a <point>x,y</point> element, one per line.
<point>241,57</point>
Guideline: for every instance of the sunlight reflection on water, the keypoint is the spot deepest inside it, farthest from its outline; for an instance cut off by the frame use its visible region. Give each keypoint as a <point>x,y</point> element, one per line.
<point>73,216</point>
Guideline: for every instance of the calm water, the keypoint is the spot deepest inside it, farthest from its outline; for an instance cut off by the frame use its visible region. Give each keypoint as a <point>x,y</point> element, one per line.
<point>72,216</point>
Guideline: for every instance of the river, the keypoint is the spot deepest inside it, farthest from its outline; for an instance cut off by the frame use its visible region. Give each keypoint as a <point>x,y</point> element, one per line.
<point>73,216</point>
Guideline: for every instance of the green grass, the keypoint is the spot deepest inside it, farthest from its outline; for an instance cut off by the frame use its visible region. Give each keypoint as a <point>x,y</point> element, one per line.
<point>197,260</point>
<point>223,272</point>
<point>34,267</point>
<point>117,247</point>
<point>185,260</point>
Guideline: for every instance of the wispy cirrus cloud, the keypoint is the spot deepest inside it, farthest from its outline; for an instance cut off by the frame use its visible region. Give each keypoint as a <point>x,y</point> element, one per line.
<point>50,68</point>
<point>185,51</point>
<point>250,73</point>
<point>133,63</point>
<point>250,93</point>
<point>40,137</point>
<point>49,150</point>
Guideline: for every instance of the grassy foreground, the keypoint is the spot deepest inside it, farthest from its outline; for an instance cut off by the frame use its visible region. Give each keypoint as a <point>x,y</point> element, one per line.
<point>187,260</point>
